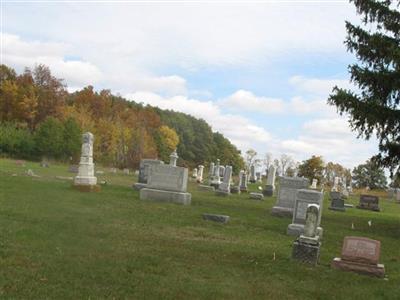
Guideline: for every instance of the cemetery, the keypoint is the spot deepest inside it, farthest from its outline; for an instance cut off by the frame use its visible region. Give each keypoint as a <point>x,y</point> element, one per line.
<point>136,248</point>
<point>200,149</point>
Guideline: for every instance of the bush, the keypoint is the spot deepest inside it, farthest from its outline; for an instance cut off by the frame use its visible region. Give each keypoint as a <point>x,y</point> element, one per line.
<point>16,141</point>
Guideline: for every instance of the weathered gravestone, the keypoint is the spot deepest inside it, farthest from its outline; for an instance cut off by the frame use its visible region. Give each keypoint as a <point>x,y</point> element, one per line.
<point>221,171</point>
<point>258,176</point>
<point>243,182</point>
<point>208,188</point>
<point>314,184</point>
<point>369,202</point>
<point>216,218</point>
<point>335,187</point>
<point>199,178</point>
<point>270,186</point>
<point>337,201</point>
<point>224,189</point>
<point>73,168</point>
<point>360,255</point>
<point>85,180</point>
<point>253,178</point>
<point>144,168</point>
<point>303,199</point>
<point>194,173</point>
<point>173,158</point>
<point>256,196</point>
<point>306,248</point>
<point>166,183</point>
<point>215,178</point>
<point>288,187</point>
<point>125,171</point>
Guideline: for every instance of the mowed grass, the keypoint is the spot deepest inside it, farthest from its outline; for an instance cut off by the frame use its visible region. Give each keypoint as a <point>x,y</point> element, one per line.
<point>59,243</point>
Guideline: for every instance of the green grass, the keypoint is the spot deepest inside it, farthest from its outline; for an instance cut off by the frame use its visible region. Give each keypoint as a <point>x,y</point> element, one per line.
<point>59,243</point>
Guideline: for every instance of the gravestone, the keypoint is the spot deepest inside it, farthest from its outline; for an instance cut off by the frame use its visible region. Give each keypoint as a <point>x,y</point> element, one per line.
<point>243,182</point>
<point>305,197</point>
<point>73,168</point>
<point>166,183</point>
<point>215,178</point>
<point>258,177</point>
<point>113,170</point>
<point>253,178</point>
<point>216,218</point>
<point>125,171</point>
<point>256,196</point>
<point>144,169</point>
<point>337,201</point>
<point>360,255</point>
<point>270,186</point>
<point>335,187</point>
<point>314,184</point>
<point>199,178</point>
<point>85,180</point>
<point>221,171</point>
<point>224,189</point>
<point>288,187</point>
<point>398,195</point>
<point>44,164</point>
<point>194,173</point>
<point>369,202</point>
<point>306,248</point>
<point>203,187</point>
<point>173,158</point>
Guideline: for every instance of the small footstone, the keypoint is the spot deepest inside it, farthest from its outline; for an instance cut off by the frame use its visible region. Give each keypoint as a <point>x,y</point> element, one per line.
<point>349,205</point>
<point>208,188</point>
<point>256,196</point>
<point>216,218</point>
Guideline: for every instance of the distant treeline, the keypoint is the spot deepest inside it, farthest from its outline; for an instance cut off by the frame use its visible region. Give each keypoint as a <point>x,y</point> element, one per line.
<point>40,118</point>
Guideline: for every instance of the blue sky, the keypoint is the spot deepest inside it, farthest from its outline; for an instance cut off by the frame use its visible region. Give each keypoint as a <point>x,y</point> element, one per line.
<point>260,73</point>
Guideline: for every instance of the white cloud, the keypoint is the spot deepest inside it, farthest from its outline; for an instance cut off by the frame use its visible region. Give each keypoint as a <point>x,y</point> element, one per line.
<point>333,139</point>
<point>19,54</point>
<point>317,86</point>
<point>247,101</point>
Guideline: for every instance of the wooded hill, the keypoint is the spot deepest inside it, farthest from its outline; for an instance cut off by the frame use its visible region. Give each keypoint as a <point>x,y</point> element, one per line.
<point>40,118</point>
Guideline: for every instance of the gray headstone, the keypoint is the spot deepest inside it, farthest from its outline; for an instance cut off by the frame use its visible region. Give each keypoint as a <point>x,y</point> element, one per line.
<point>288,187</point>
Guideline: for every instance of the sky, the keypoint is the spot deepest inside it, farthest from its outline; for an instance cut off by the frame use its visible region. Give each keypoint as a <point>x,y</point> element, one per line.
<point>259,72</point>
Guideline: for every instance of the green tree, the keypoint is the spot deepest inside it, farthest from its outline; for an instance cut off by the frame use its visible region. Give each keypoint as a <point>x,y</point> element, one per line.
<point>369,174</point>
<point>312,168</point>
<point>374,109</point>
<point>16,141</point>
<point>49,138</point>
<point>71,139</point>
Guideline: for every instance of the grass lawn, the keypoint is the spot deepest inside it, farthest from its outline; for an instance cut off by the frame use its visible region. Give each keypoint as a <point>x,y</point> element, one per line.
<point>60,243</point>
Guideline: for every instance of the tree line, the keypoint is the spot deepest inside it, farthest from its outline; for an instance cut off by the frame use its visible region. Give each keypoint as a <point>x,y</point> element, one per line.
<point>40,118</point>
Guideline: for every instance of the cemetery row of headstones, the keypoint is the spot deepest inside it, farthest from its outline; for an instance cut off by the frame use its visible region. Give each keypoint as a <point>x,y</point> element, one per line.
<point>295,198</point>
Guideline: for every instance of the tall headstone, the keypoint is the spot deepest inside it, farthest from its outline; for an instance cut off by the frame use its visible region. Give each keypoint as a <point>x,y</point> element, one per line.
<point>224,188</point>
<point>173,158</point>
<point>85,175</point>
<point>144,169</point>
<point>216,179</point>
<point>360,255</point>
<point>194,173</point>
<point>253,178</point>
<point>288,187</point>
<point>306,248</point>
<point>221,171</point>
<point>166,183</point>
<point>270,186</point>
<point>335,187</point>
<point>258,177</point>
<point>199,178</point>
<point>243,182</point>
<point>304,197</point>
<point>314,184</point>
